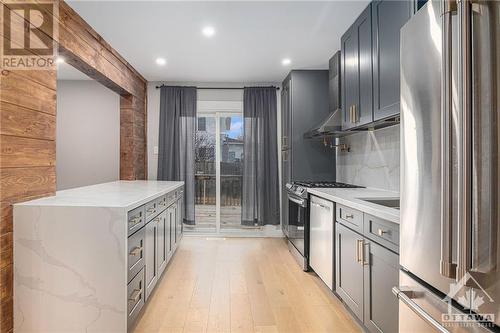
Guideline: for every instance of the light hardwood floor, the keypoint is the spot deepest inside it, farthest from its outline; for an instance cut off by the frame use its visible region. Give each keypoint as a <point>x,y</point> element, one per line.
<point>241,285</point>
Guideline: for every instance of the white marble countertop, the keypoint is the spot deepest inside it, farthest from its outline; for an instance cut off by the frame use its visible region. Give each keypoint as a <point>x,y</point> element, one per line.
<point>122,194</point>
<point>352,197</point>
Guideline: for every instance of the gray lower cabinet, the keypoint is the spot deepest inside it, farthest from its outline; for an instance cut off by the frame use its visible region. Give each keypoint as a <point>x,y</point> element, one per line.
<point>349,268</point>
<point>365,274</point>
<point>179,217</point>
<point>135,297</point>
<point>151,256</point>
<point>171,229</point>
<point>161,244</point>
<point>381,273</point>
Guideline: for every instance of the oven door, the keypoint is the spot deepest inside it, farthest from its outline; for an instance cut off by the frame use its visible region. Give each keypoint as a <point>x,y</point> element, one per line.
<point>297,223</point>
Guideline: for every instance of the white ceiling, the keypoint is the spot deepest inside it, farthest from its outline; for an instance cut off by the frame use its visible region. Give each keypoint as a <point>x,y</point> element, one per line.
<point>251,37</point>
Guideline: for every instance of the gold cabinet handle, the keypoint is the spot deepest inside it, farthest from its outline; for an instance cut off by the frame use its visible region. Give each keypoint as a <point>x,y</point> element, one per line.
<point>136,251</point>
<point>150,210</point>
<point>349,216</point>
<point>359,249</point>
<point>135,296</point>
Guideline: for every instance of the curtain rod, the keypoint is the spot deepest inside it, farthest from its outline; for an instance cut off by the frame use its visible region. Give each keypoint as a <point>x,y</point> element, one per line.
<point>218,88</point>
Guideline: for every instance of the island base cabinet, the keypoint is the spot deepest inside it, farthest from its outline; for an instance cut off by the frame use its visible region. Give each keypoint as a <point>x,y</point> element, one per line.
<point>171,213</point>
<point>151,251</point>
<point>349,268</point>
<point>179,218</point>
<point>162,242</point>
<point>381,273</point>
<point>136,297</point>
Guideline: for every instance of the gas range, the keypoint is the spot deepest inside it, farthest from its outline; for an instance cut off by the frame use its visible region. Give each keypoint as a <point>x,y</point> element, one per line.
<point>299,188</point>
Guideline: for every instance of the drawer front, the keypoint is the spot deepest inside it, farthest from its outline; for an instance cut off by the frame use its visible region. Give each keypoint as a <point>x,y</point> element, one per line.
<point>179,193</point>
<point>151,209</point>
<point>381,231</point>
<point>161,203</point>
<point>350,217</point>
<point>135,297</point>
<point>170,198</point>
<point>136,220</point>
<point>135,246</point>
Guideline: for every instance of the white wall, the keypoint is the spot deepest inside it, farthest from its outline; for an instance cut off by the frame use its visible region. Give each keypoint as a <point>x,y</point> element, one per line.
<point>88,134</point>
<point>203,95</point>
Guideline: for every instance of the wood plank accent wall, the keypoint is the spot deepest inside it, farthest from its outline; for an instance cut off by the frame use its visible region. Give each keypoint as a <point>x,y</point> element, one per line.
<point>28,127</point>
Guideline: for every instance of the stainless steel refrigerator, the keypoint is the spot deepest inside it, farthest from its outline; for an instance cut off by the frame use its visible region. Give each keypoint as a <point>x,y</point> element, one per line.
<point>450,182</point>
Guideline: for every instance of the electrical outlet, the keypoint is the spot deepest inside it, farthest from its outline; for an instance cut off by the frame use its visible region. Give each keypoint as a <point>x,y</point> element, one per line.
<point>155,150</point>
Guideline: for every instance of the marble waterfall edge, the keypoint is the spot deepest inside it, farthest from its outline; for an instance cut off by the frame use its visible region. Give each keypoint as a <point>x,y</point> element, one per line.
<point>70,269</point>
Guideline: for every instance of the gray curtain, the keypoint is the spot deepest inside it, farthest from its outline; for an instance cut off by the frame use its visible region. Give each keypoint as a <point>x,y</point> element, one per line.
<point>176,141</point>
<point>260,198</point>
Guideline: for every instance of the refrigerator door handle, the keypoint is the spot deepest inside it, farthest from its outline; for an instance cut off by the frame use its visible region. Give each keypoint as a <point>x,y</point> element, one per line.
<point>447,266</point>
<point>465,141</point>
<point>406,297</point>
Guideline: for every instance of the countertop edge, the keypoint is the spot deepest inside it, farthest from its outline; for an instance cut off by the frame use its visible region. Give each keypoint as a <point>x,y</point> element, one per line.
<point>389,214</point>
<point>130,206</point>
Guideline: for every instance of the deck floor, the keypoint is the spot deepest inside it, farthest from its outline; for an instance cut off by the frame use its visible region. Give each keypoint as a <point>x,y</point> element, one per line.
<point>230,217</point>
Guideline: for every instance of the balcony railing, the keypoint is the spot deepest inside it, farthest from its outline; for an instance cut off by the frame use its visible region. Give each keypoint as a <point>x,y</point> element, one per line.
<point>230,186</point>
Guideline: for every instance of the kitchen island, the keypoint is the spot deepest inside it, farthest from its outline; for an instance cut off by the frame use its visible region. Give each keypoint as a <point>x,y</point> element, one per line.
<point>87,259</point>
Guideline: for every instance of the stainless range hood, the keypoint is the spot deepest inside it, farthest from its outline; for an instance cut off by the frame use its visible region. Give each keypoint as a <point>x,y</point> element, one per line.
<point>332,125</point>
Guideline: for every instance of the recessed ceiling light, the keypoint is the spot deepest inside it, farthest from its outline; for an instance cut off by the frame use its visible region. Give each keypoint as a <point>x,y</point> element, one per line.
<point>161,61</point>
<point>60,60</point>
<point>208,31</point>
<point>286,62</point>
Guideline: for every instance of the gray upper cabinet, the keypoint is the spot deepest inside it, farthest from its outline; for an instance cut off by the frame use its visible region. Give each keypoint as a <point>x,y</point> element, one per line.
<point>388,16</point>
<point>380,275</point>
<point>349,268</point>
<point>356,45</point>
<point>286,114</point>
<point>309,103</point>
<point>350,78</point>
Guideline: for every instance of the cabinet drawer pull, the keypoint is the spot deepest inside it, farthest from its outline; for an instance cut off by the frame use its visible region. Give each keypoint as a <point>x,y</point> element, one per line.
<point>150,210</point>
<point>383,232</point>
<point>136,251</point>
<point>349,216</point>
<point>135,296</point>
<point>135,220</point>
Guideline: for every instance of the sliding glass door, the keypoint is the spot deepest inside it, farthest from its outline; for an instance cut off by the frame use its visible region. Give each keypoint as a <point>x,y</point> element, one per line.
<point>219,172</point>
<point>205,175</point>
<point>231,170</point>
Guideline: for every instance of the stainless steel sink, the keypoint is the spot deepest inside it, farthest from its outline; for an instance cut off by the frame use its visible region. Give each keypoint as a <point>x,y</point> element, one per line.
<point>386,202</point>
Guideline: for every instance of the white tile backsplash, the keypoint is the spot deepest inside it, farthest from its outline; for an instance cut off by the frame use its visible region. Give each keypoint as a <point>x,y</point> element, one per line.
<point>373,160</point>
